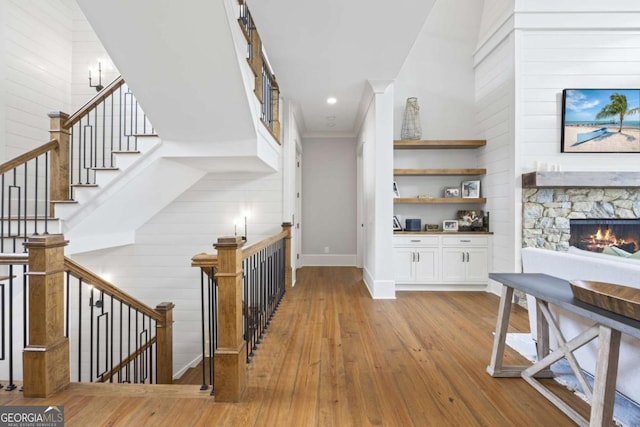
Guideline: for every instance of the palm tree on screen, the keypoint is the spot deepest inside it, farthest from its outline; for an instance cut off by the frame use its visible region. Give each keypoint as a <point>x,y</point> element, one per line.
<point>617,107</point>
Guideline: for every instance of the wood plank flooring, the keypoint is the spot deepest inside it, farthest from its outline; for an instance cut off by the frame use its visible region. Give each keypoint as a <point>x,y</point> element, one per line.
<point>334,357</point>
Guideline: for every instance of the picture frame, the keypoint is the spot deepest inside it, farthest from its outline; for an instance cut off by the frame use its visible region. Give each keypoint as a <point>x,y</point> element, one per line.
<point>396,191</point>
<point>450,192</point>
<point>397,225</point>
<point>450,225</point>
<point>470,220</point>
<point>593,123</point>
<point>470,189</point>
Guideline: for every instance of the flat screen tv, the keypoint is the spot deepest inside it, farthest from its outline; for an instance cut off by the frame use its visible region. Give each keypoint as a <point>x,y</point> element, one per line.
<point>600,121</point>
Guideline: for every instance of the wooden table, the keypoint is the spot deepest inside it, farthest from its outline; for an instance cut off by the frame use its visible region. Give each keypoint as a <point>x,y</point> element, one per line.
<point>607,327</point>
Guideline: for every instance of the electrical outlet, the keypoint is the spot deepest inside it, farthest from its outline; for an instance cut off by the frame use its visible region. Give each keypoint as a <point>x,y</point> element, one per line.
<point>326,249</point>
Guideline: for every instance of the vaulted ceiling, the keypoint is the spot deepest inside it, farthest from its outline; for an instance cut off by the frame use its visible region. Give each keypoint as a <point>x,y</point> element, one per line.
<point>331,48</point>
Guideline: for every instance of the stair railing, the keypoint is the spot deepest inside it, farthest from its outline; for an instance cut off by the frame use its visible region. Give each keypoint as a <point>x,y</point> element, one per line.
<point>72,325</point>
<point>241,289</point>
<point>265,86</point>
<point>111,122</point>
<point>24,196</point>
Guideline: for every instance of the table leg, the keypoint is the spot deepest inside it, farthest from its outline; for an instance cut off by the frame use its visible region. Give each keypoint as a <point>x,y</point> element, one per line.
<point>604,387</point>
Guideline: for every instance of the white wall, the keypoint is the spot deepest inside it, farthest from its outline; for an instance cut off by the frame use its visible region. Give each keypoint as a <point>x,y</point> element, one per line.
<point>37,66</point>
<point>329,201</point>
<point>375,139</point>
<point>439,72</point>
<point>87,52</point>
<point>157,267</point>
<point>494,91</point>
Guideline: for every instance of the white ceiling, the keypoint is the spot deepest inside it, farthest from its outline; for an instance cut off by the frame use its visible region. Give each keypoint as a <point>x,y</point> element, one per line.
<point>331,48</point>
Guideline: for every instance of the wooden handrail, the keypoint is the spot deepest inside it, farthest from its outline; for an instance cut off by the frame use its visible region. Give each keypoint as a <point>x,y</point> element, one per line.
<point>14,259</point>
<point>106,287</point>
<point>29,155</point>
<point>257,247</point>
<point>127,360</point>
<point>204,260</point>
<point>93,102</point>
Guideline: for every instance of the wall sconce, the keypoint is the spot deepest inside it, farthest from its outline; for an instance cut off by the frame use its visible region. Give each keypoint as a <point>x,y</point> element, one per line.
<point>98,86</point>
<point>97,303</point>
<point>235,229</point>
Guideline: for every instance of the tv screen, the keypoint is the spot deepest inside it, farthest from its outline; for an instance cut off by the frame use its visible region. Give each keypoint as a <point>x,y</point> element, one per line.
<point>600,120</point>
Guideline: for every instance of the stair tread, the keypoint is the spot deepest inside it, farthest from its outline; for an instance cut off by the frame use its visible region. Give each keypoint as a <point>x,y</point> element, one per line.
<point>125,152</point>
<point>105,169</point>
<point>142,135</point>
<point>64,201</point>
<point>84,185</point>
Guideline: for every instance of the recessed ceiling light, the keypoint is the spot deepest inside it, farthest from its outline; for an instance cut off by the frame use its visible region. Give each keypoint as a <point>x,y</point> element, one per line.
<point>331,100</point>
<point>331,118</point>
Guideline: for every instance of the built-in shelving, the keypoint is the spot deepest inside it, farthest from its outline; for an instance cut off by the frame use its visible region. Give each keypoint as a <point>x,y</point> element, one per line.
<point>434,144</point>
<point>439,200</point>
<point>439,172</point>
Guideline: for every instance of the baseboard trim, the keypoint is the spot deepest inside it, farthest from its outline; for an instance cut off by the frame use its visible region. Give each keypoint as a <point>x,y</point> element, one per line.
<point>379,289</point>
<point>177,375</point>
<point>327,260</point>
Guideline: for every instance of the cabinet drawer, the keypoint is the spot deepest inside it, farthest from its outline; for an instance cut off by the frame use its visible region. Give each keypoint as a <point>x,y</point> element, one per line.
<point>465,240</point>
<point>416,240</point>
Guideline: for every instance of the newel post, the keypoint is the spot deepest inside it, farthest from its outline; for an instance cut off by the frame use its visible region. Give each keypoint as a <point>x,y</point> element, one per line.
<point>46,356</point>
<point>164,349</point>
<point>229,357</point>
<point>286,226</point>
<point>59,157</point>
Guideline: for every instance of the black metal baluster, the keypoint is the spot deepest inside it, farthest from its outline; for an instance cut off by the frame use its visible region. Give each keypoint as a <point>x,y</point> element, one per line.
<point>111,130</point>
<point>11,385</point>
<point>35,211</point>
<point>46,193</point>
<point>90,334</point>
<point>111,338</point>
<point>214,344</point>
<point>79,330</point>
<point>66,308</point>
<point>2,218</point>
<point>202,326</point>
<point>136,373</point>
<point>26,188</point>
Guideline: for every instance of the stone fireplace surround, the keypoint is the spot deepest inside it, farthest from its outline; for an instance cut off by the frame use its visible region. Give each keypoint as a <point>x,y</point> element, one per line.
<point>551,199</point>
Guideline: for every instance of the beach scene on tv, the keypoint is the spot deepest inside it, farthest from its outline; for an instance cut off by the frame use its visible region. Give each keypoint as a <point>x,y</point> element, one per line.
<point>601,120</point>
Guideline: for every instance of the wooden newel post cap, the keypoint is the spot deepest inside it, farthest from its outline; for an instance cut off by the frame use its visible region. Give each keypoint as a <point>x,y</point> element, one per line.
<point>229,242</point>
<point>46,241</point>
<point>58,115</point>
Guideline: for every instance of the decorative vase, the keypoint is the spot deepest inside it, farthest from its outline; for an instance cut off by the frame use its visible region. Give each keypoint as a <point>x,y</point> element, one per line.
<point>411,122</point>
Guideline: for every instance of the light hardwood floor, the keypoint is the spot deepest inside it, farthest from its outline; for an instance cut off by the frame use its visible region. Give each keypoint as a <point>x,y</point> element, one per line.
<point>334,357</point>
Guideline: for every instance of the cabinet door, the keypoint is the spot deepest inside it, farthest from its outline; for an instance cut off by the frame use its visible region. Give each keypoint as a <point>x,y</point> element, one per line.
<point>427,264</point>
<point>453,265</point>
<point>403,264</point>
<point>477,268</point>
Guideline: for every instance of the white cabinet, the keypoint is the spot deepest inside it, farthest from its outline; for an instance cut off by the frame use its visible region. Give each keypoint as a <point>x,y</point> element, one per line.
<point>441,262</point>
<point>465,259</point>
<point>416,259</point>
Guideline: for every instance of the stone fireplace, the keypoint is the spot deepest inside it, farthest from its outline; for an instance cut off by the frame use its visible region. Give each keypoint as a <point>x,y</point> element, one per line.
<point>552,199</point>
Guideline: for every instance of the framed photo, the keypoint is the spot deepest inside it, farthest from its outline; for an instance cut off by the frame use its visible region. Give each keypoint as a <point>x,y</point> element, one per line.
<point>451,192</point>
<point>470,189</point>
<point>450,225</point>
<point>397,226</point>
<point>396,192</point>
<point>600,121</point>
<point>470,220</point>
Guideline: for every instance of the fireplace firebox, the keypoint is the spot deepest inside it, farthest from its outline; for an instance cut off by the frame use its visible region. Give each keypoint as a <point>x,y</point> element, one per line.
<point>596,234</point>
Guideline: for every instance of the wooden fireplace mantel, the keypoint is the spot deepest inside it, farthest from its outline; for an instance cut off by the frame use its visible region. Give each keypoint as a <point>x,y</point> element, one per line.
<point>601,179</point>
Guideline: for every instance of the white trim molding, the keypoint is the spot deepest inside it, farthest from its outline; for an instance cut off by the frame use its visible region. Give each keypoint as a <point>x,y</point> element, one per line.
<point>327,260</point>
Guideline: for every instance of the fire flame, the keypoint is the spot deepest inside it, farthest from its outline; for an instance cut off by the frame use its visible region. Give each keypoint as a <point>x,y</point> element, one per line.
<point>605,238</point>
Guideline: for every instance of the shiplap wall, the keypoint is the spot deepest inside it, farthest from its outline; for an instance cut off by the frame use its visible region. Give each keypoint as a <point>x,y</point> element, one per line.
<point>552,60</point>
<point>157,267</point>
<point>87,52</point>
<point>494,92</point>
<point>37,62</point>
